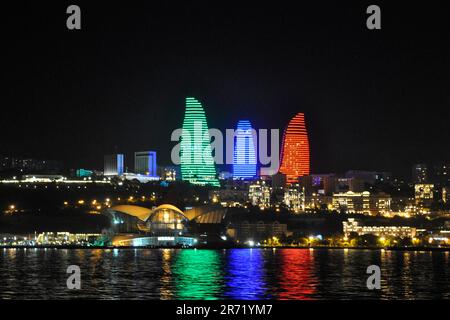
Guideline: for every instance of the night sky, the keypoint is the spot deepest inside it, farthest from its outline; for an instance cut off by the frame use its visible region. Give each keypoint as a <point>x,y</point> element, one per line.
<point>373,100</point>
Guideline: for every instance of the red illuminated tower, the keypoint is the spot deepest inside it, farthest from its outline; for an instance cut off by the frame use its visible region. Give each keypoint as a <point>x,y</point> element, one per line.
<point>295,150</point>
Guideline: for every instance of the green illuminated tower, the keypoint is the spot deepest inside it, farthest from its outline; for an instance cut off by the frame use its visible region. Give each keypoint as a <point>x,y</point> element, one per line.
<point>197,162</point>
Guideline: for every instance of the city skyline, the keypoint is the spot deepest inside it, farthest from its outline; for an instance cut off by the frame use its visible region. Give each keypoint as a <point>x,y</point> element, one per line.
<point>368,103</point>
<point>232,153</point>
<point>128,162</point>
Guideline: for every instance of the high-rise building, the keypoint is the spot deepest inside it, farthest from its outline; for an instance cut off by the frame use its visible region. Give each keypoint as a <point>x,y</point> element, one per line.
<point>294,200</point>
<point>145,163</point>
<point>259,194</point>
<point>423,194</point>
<point>197,162</point>
<point>244,160</point>
<point>295,160</point>
<point>420,173</point>
<point>113,165</point>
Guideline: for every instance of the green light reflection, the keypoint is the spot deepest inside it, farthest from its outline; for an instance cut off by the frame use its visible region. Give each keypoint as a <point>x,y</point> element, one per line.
<point>198,275</point>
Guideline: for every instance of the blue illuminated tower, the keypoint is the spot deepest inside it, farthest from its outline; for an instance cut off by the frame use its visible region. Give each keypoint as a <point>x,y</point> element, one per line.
<point>244,160</point>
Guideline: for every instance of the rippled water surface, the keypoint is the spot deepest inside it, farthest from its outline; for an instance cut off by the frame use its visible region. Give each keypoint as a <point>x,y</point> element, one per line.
<point>223,274</point>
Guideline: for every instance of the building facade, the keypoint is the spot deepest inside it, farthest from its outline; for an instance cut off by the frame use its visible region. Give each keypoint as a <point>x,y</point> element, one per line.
<point>145,163</point>
<point>244,157</point>
<point>295,159</point>
<point>352,225</point>
<point>259,194</point>
<point>294,200</point>
<point>361,203</point>
<point>423,194</point>
<point>197,162</point>
<point>113,165</point>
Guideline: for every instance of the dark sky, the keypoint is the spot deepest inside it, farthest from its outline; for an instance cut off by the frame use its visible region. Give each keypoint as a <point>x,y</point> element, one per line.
<point>375,100</point>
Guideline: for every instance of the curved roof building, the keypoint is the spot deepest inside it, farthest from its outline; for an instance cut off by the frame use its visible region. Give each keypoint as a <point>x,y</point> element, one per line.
<point>165,225</point>
<point>295,158</point>
<point>197,162</point>
<point>244,159</point>
<point>135,211</point>
<point>144,214</point>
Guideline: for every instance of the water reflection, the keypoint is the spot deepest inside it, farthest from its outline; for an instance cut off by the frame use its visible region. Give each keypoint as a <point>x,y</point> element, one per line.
<point>166,278</point>
<point>197,274</point>
<point>297,275</point>
<point>245,276</point>
<point>223,274</point>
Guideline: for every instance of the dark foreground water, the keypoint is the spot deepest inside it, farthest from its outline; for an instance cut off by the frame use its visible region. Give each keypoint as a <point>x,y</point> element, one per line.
<point>223,274</point>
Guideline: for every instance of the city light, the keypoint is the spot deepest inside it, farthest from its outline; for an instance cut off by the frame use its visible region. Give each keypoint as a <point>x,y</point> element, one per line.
<point>197,163</point>
<point>295,150</point>
<point>244,160</point>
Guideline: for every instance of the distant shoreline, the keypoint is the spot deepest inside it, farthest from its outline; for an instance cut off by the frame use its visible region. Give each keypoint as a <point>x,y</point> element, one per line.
<point>439,249</point>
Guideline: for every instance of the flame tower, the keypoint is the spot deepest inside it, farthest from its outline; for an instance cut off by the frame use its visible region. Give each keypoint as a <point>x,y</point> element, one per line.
<point>244,160</point>
<point>295,161</point>
<point>197,162</point>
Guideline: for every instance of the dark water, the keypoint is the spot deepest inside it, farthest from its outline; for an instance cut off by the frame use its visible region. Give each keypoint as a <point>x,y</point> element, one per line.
<point>223,274</point>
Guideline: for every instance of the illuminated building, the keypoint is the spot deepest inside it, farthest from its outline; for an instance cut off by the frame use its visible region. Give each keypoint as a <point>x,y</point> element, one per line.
<point>81,173</point>
<point>113,165</point>
<point>145,163</point>
<point>197,163</point>
<point>169,174</point>
<point>361,203</point>
<point>165,225</point>
<point>259,194</point>
<point>294,200</point>
<point>351,202</point>
<point>295,161</point>
<point>420,173</point>
<point>141,178</point>
<point>65,238</point>
<point>351,225</point>
<point>423,194</point>
<point>43,178</point>
<point>244,160</point>
<point>229,197</point>
<point>318,201</point>
<point>445,195</point>
<point>37,179</point>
